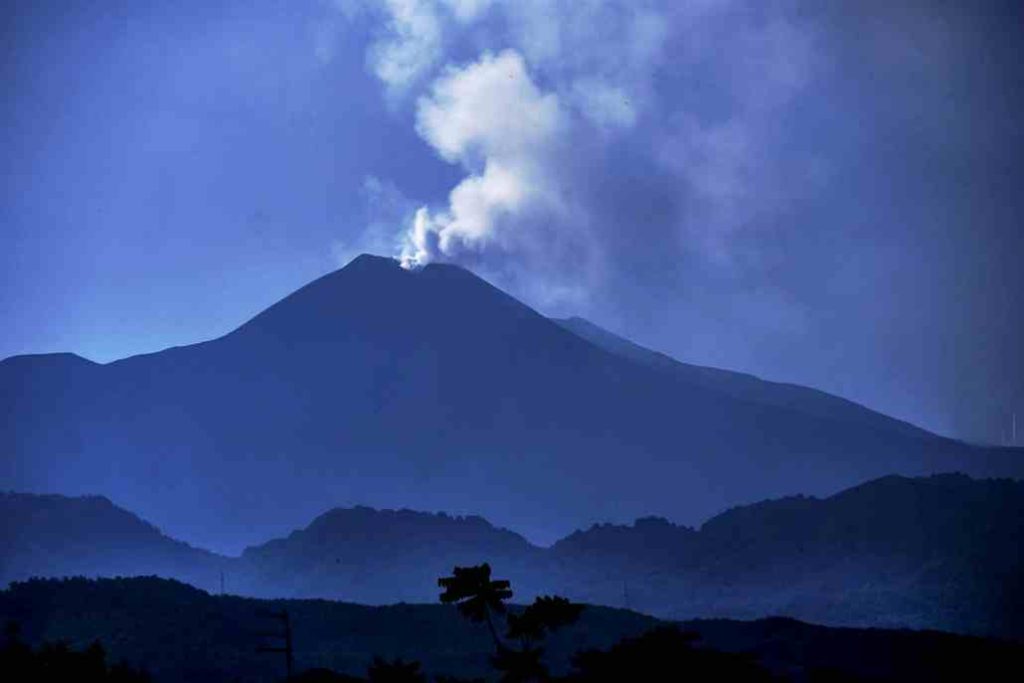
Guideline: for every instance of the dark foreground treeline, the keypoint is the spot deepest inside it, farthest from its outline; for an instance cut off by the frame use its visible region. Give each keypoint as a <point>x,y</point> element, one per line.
<point>177,633</point>
<point>664,653</point>
<point>57,661</point>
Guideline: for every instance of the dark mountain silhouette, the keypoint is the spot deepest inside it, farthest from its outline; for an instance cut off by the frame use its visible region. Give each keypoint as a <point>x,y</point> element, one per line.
<point>379,557</point>
<point>178,633</point>
<point>51,535</point>
<point>941,552</point>
<point>427,389</point>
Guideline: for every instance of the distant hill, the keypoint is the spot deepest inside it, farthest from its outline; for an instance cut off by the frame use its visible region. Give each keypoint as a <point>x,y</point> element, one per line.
<point>380,557</point>
<point>942,552</point>
<point>52,535</point>
<point>431,389</point>
<point>181,634</point>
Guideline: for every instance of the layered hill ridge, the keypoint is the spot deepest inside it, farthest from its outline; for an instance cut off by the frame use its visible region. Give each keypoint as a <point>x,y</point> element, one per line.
<point>428,389</point>
<point>937,552</point>
<point>380,556</point>
<point>940,552</point>
<point>53,535</point>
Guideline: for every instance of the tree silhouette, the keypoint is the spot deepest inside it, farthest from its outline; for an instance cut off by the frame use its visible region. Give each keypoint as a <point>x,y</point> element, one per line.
<point>321,675</point>
<point>664,654</point>
<point>520,666</point>
<point>476,595</point>
<point>395,671</point>
<point>546,615</point>
<point>57,661</point>
<point>16,657</point>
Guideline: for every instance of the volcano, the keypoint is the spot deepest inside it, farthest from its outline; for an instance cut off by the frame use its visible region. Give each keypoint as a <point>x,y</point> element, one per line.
<point>432,389</point>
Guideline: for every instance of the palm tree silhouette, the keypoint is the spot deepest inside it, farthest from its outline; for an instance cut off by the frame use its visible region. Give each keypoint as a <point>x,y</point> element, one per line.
<point>546,615</point>
<point>476,595</point>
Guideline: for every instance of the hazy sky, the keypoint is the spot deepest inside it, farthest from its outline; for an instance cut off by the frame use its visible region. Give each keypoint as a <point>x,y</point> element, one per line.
<point>828,193</point>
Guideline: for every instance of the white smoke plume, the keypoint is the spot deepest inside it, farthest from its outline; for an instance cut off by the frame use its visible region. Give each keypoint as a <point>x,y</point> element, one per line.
<point>492,119</point>
<point>559,100</point>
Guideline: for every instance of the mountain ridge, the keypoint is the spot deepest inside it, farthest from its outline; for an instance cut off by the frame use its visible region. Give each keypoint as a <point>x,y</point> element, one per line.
<point>933,552</point>
<point>739,384</point>
<point>429,389</point>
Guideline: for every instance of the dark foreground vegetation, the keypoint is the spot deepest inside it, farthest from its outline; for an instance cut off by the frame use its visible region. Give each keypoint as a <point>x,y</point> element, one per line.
<point>57,661</point>
<point>177,633</point>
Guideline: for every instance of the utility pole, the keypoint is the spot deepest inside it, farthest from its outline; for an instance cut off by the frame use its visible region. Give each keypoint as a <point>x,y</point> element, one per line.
<point>283,636</point>
<point>222,582</point>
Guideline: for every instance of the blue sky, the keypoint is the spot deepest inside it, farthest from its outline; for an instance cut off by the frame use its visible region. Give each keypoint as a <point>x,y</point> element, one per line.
<point>818,192</point>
